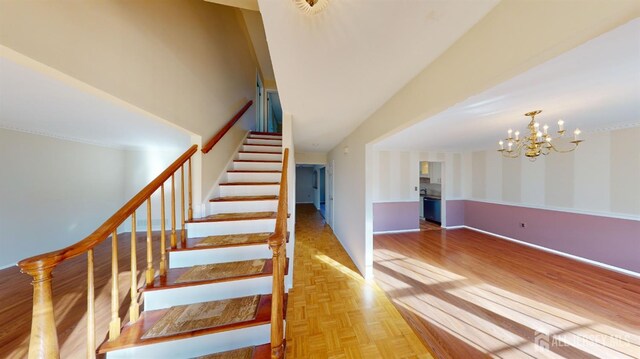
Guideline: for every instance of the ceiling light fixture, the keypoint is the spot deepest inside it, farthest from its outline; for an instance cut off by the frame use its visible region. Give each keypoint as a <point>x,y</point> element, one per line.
<point>311,7</point>
<point>537,142</point>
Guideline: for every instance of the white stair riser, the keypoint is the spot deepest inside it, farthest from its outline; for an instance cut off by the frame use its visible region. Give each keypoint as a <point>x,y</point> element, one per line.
<point>257,148</point>
<point>183,259</point>
<point>267,137</point>
<point>199,345</point>
<point>243,206</point>
<point>204,229</point>
<point>249,190</point>
<point>253,177</point>
<point>258,141</point>
<point>260,156</point>
<point>161,299</point>
<point>257,166</point>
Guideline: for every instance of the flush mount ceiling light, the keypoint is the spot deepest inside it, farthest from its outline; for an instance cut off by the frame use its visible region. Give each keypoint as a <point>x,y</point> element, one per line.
<point>537,142</point>
<point>311,7</point>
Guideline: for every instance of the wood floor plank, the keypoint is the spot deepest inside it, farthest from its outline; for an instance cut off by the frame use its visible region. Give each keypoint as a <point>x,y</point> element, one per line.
<point>333,312</point>
<point>472,295</point>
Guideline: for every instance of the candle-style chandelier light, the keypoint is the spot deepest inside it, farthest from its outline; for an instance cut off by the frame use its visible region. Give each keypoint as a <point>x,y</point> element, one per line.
<point>537,142</point>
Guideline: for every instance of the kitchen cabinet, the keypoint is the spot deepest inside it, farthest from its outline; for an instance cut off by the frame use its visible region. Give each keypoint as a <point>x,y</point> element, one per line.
<point>435,172</point>
<point>432,209</point>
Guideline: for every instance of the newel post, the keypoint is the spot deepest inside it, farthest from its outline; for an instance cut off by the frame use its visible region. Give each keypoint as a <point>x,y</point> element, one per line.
<point>43,342</point>
<point>277,298</point>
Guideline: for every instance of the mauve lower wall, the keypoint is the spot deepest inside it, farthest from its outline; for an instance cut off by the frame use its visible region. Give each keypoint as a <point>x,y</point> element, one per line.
<point>607,240</point>
<point>455,213</point>
<point>396,216</point>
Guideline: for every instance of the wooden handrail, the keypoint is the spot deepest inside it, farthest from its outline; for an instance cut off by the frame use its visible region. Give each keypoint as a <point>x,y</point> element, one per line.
<point>212,142</point>
<point>277,243</point>
<point>51,259</point>
<point>43,342</point>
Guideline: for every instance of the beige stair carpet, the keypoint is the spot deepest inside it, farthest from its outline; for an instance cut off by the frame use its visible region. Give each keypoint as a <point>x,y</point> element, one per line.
<point>222,270</point>
<point>244,353</point>
<point>240,216</point>
<point>191,317</point>
<point>234,239</point>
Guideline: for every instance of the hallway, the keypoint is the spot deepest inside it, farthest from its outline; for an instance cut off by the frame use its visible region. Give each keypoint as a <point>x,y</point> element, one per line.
<point>333,312</point>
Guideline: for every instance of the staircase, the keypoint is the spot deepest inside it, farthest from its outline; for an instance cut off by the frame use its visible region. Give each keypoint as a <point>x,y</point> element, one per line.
<point>219,291</point>
<point>215,300</point>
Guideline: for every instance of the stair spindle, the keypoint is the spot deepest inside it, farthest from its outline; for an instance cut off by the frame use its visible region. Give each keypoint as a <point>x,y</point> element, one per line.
<point>183,232</point>
<point>134,309</point>
<point>91,308</point>
<point>114,325</point>
<point>43,342</point>
<point>190,195</point>
<point>150,271</point>
<point>163,249</point>
<point>174,243</point>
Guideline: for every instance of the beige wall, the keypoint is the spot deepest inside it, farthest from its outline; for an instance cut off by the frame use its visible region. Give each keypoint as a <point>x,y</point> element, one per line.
<point>185,61</point>
<point>600,177</point>
<point>311,158</point>
<point>513,37</point>
<point>54,192</point>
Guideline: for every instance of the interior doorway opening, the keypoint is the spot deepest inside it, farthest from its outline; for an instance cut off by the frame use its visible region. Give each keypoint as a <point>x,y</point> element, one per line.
<point>311,186</point>
<point>430,195</point>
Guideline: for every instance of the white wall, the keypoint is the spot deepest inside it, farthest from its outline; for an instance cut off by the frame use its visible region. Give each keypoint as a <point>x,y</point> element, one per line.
<point>508,41</point>
<point>54,192</point>
<point>600,177</point>
<point>305,192</point>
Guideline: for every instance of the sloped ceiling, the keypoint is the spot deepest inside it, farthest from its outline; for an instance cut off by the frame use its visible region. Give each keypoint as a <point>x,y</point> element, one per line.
<point>242,4</point>
<point>335,68</point>
<point>255,30</point>
<point>594,87</point>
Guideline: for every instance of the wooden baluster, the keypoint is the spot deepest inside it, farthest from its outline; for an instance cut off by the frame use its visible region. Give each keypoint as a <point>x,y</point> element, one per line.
<point>150,271</point>
<point>163,239</point>
<point>91,308</point>
<point>114,325</point>
<point>174,243</point>
<point>43,342</point>
<point>277,298</point>
<point>190,195</point>
<point>183,232</point>
<point>134,309</point>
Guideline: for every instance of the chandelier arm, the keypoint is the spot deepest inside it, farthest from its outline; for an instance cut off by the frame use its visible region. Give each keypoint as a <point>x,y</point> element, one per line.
<point>575,145</point>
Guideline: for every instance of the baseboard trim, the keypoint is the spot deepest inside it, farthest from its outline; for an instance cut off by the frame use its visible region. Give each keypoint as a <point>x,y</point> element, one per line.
<point>454,227</point>
<point>567,255</point>
<point>398,231</point>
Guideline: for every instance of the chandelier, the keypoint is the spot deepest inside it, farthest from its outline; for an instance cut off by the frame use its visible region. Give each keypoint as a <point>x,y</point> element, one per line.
<point>311,7</point>
<point>537,142</point>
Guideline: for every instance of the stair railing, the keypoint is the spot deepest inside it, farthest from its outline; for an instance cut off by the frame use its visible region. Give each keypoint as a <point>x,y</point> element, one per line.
<point>44,338</point>
<point>277,243</point>
<point>218,136</point>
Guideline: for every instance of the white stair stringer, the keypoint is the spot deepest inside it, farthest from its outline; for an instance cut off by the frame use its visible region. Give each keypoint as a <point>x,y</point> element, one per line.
<point>243,206</point>
<point>204,229</point>
<point>257,166</point>
<point>262,156</point>
<point>260,148</point>
<point>168,297</point>
<point>198,345</point>
<point>260,141</point>
<point>262,176</point>
<point>249,190</point>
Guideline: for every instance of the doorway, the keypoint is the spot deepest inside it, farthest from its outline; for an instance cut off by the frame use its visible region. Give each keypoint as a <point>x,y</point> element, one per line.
<point>430,195</point>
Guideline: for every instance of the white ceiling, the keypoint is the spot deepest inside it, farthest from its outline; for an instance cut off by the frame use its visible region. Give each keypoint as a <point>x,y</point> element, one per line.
<point>35,102</point>
<point>595,87</point>
<point>334,69</point>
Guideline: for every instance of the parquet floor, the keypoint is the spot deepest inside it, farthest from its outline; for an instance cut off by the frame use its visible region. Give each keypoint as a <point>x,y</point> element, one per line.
<point>333,312</point>
<point>470,295</point>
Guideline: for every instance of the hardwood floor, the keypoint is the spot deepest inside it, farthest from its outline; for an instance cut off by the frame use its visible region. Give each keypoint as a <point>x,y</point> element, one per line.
<point>429,226</point>
<point>333,312</point>
<point>70,298</point>
<point>471,295</point>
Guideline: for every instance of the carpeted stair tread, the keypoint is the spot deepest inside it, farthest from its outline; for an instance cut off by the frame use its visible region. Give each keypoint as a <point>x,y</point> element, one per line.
<point>171,279</point>
<point>242,353</point>
<point>198,316</point>
<point>243,198</point>
<point>205,272</point>
<point>234,239</point>
<point>258,352</point>
<point>242,216</point>
<point>131,335</point>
